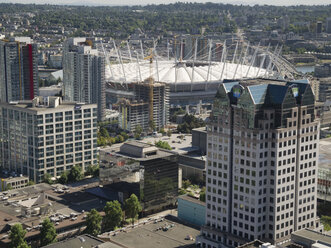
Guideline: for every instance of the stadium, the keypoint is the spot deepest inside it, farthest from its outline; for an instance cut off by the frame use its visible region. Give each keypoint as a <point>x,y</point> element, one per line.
<point>189,80</point>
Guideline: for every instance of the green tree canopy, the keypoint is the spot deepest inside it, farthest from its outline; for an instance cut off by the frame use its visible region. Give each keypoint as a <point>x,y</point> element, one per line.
<point>113,215</point>
<point>104,133</point>
<point>47,233</point>
<point>138,131</point>
<point>16,236</point>
<point>132,207</point>
<point>48,178</point>
<point>93,222</point>
<point>31,182</point>
<point>63,178</point>
<point>75,174</point>
<point>92,170</point>
<point>203,194</point>
<point>163,144</point>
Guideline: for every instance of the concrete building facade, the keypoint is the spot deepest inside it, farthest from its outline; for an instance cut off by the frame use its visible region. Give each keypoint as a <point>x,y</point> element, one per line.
<point>262,160</point>
<point>46,135</point>
<point>18,69</point>
<point>84,73</point>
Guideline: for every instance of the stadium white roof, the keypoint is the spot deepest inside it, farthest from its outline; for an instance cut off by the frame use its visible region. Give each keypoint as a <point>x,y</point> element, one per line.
<point>172,72</point>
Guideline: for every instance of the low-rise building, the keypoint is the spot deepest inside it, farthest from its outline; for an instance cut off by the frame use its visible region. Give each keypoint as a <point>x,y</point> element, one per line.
<point>143,169</point>
<point>14,183</point>
<point>311,239</point>
<point>191,210</point>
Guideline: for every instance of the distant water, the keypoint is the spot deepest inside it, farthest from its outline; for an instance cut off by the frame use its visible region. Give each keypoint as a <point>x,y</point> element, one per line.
<point>305,69</point>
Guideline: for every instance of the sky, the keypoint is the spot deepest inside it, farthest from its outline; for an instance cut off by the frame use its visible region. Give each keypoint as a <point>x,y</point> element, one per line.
<point>144,2</point>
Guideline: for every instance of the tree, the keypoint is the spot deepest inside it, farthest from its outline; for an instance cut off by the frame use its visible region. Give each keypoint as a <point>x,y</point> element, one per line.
<point>75,174</point>
<point>113,215</point>
<point>125,135</point>
<point>92,170</point>
<point>63,178</point>
<point>137,132</point>
<point>31,182</point>
<point>8,187</point>
<point>186,184</point>
<point>93,222</point>
<point>162,131</point>
<point>132,207</point>
<point>163,144</point>
<point>16,236</point>
<point>152,125</point>
<point>24,245</point>
<point>48,178</point>
<point>47,233</point>
<point>119,139</point>
<point>169,133</point>
<point>203,195</point>
<point>104,133</point>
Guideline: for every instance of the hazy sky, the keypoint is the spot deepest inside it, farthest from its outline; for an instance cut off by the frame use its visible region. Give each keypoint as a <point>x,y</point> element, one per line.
<point>144,2</point>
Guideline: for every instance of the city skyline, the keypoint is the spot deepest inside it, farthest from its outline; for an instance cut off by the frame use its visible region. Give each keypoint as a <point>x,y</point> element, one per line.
<point>146,2</point>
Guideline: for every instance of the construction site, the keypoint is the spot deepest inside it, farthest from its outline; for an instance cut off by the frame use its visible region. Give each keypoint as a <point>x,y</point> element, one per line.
<point>148,108</point>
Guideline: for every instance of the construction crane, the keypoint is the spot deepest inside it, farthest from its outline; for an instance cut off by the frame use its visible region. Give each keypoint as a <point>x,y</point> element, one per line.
<point>150,58</point>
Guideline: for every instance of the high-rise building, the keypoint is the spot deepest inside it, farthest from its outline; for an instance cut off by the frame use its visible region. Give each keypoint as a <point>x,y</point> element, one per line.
<point>46,135</point>
<point>149,109</point>
<point>262,159</point>
<point>18,69</point>
<point>328,25</point>
<point>84,73</point>
<point>319,27</point>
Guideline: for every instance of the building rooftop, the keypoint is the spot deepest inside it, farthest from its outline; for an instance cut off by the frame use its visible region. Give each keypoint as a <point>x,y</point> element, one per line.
<point>324,160</point>
<point>83,241</point>
<point>313,236</point>
<point>137,150</point>
<point>168,233</point>
<point>40,103</point>
<point>267,91</point>
<point>30,205</point>
<point>192,199</point>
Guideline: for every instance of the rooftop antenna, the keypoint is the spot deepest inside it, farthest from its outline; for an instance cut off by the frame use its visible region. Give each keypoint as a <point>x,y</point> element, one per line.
<point>253,59</point>
<point>262,61</point>
<point>127,43</point>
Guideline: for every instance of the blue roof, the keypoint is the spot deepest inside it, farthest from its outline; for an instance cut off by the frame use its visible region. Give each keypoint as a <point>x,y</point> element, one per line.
<point>258,93</point>
<point>228,86</point>
<point>277,93</point>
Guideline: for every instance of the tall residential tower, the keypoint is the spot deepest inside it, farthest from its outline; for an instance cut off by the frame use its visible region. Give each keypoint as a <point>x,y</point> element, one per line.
<point>262,157</point>
<point>84,73</point>
<point>18,69</point>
